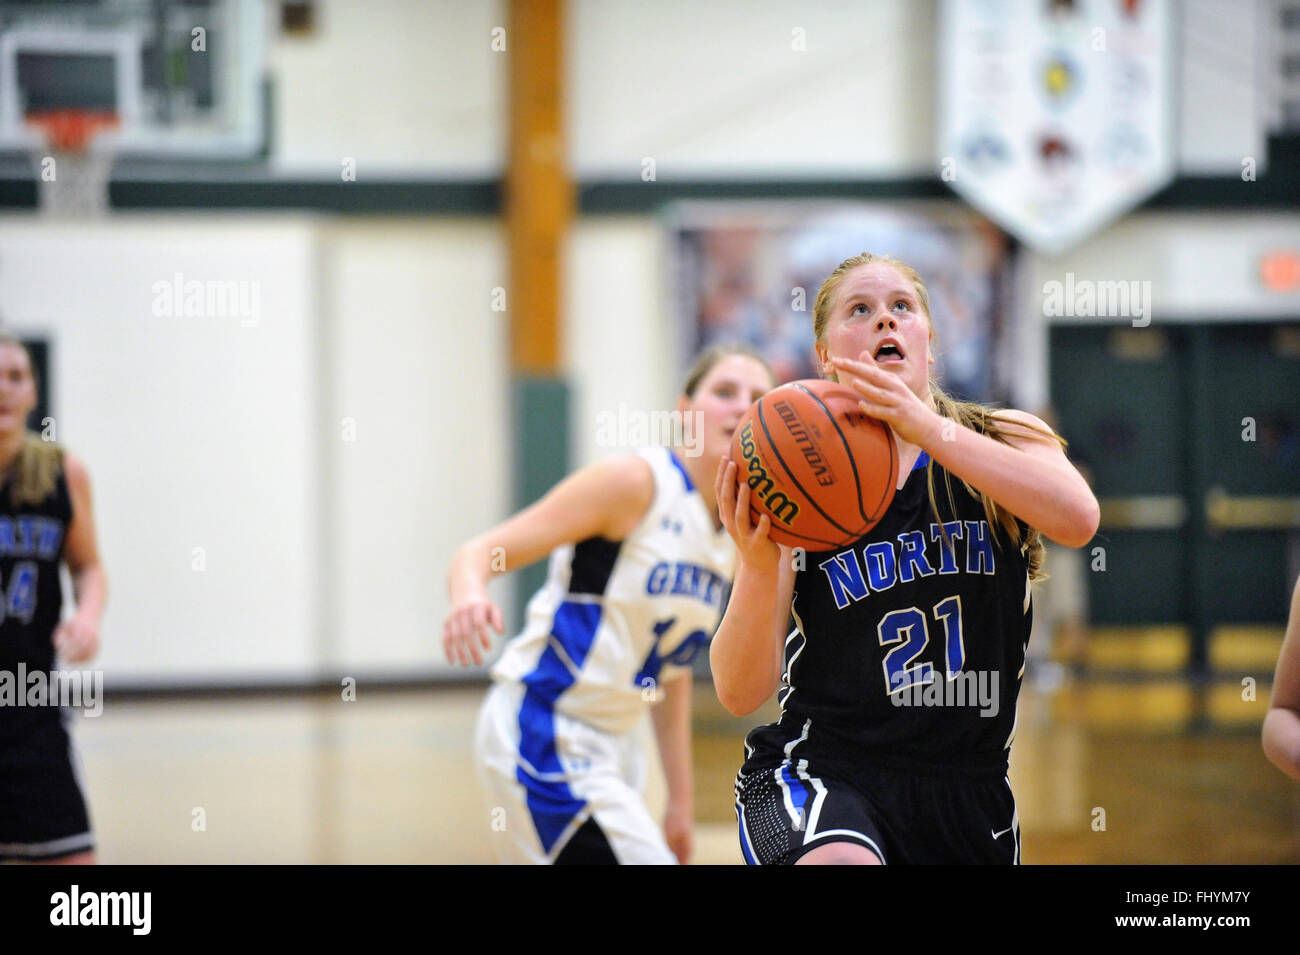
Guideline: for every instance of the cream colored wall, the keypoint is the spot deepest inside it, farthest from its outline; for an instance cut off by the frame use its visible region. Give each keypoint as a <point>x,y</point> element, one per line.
<point>400,86</point>
<point>324,542</point>
<point>727,88</point>
<point>418,362</point>
<point>200,432</point>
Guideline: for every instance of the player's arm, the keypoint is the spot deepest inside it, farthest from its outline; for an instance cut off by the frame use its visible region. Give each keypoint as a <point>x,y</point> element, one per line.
<point>77,638</point>
<point>1282,722</point>
<point>1030,476</point>
<point>746,652</point>
<point>672,723</point>
<point>606,499</point>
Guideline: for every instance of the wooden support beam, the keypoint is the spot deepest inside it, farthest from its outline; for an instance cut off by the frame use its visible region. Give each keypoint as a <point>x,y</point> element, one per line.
<point>539,193</point>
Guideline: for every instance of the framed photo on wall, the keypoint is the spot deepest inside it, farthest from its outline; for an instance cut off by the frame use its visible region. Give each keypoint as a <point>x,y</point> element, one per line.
<point>750,271</point>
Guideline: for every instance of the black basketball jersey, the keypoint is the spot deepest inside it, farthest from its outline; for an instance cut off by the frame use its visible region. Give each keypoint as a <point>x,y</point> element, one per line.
<point>910,643</point>
<point>32,540</point>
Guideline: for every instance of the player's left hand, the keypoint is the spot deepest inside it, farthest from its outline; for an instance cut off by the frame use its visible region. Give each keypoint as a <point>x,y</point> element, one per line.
<point>76,639</point>
<point>679,830</point>
<point>887,397</point>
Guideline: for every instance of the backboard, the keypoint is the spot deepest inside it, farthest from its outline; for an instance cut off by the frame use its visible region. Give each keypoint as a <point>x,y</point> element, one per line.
<point>184,77</point>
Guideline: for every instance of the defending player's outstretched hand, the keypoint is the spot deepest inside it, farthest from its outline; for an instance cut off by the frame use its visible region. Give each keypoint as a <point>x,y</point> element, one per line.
<point>465,634</point>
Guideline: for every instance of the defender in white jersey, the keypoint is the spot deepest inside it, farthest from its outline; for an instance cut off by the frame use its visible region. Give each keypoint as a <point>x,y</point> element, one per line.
<point>639,569</point>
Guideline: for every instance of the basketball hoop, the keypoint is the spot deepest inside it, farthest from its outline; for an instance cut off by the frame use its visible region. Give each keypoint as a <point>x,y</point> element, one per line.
<point>72,178</point>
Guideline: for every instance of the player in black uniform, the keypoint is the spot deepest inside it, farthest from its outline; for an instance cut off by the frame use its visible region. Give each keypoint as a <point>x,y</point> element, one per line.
<point>45,519</point>
<point>898,685</point>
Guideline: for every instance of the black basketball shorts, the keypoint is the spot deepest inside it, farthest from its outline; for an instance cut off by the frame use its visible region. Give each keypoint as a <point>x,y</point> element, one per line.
<point>42,807</point>
<point>905,817</point>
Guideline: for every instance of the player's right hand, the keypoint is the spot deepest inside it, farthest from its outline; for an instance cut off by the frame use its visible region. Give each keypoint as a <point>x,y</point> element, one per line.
<point>465,633</point>
<point>752,543</point>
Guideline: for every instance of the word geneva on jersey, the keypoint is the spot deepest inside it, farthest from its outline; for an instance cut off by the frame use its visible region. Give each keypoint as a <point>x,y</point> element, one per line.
<point>685,579</point>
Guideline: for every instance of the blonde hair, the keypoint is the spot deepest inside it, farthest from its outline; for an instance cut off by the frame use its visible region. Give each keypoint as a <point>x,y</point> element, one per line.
<point>35,470</point>
<point>979,418</point>
<point>710,356</point>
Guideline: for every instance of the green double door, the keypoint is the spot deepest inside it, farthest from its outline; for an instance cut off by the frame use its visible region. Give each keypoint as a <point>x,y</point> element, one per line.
<point>1191,437</point>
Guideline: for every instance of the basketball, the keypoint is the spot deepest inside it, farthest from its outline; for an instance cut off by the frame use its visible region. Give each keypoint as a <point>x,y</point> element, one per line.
<point>817,465</point>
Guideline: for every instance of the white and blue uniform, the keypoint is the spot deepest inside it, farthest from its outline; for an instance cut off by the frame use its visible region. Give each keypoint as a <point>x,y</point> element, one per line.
<point>559,736</point>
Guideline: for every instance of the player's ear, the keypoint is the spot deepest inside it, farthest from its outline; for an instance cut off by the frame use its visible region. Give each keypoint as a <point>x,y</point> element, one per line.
<point>683,404</point>
<point>824,365</point>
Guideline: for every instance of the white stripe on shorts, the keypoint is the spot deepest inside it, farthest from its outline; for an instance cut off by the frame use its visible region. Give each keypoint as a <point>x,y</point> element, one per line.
<point>55,847</point>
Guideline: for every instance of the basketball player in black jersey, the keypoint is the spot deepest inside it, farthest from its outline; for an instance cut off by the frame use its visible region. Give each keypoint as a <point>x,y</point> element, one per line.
<point>45,519</point>
<point>899,683</point>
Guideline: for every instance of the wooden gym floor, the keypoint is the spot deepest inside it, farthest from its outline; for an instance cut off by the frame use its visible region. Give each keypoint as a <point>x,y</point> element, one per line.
<point>388,778</point>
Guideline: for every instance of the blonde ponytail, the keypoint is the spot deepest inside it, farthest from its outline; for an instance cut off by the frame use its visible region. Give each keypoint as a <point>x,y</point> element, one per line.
<point>35,471</point>
<point>983,420</point>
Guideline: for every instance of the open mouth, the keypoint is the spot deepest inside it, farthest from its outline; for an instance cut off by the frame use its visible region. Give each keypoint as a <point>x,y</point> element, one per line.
<point>888,352</point>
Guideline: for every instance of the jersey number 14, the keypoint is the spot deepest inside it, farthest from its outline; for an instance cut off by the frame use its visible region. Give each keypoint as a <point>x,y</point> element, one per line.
<point>683,655</point>
<point>20,595</point>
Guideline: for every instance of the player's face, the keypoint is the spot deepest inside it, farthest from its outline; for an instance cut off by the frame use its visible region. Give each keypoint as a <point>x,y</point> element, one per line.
<point>724,394</point>
<point>877,312</point>
<point>17,389</point>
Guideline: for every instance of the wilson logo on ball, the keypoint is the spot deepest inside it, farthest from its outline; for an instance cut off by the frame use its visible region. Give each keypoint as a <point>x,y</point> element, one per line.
<point>821,469</point>
<point>779,506</point>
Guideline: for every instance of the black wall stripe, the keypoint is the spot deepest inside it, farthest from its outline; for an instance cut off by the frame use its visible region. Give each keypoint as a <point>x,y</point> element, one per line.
<point>254,186</point>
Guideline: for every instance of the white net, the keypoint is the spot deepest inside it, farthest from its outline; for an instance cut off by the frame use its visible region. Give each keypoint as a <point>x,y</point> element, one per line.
<point>72,183</point>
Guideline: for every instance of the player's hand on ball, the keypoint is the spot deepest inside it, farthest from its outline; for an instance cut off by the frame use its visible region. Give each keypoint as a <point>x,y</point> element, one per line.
<point>679,831</point>
<point>887,397</point>
<point>465,634</point>
<point>732,495</point>
<point>76,639</point>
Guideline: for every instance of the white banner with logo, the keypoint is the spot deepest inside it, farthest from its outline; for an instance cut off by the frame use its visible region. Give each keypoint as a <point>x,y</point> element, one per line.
<point>1055,117</point>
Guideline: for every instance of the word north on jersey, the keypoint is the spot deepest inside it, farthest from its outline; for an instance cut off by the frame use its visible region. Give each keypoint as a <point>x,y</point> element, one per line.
<point>30,535</point>
<point>953,547</point>
<point>686,579</point>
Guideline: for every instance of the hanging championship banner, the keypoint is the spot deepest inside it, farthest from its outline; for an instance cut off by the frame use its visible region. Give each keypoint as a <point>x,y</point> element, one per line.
<point>1055,117</point>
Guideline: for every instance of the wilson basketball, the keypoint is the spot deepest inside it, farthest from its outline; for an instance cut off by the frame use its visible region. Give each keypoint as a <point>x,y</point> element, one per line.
<point>817,465</point>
